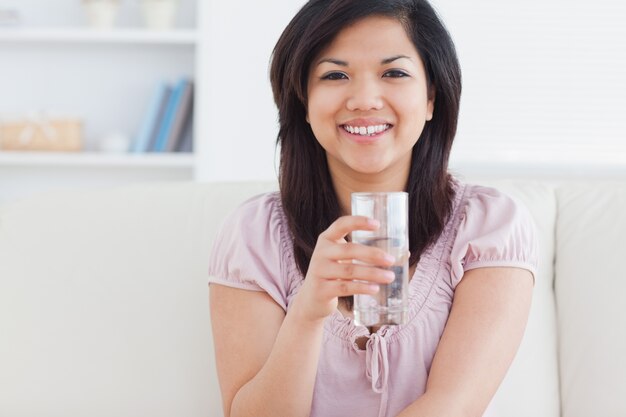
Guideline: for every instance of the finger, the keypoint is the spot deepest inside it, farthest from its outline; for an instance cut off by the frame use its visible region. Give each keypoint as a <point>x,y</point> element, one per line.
<point>344,288</point>
<point>346,224</point>
<point>366,254</point>
<point>351,271</point>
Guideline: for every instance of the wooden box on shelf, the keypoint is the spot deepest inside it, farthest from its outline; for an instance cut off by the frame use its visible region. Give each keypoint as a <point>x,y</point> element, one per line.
<point>41,135</point>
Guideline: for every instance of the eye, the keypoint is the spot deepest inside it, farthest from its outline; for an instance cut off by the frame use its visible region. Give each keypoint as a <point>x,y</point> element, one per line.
<point>332,76</point>
<point>395,74</point>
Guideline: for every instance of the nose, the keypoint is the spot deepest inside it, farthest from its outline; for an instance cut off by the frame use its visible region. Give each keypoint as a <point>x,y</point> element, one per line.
<point>365,95</point>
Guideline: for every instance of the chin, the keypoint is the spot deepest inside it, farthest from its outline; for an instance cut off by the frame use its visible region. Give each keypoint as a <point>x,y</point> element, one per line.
<point>369,169</point>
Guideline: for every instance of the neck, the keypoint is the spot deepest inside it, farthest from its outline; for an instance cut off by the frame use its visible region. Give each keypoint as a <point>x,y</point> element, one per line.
<point>346,182</point>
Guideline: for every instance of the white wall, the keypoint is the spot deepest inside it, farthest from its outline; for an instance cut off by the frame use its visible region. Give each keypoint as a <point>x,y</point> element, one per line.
<point>543,87</point>
<point>242,118</point>
<point>63,13</point>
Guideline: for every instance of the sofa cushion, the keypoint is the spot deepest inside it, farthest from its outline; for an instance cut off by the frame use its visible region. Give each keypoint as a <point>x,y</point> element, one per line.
<point>590,291</point>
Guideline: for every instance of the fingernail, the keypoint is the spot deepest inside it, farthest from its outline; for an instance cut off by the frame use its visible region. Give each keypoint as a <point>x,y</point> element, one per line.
<point>374,287</point>
<point>390,275</point>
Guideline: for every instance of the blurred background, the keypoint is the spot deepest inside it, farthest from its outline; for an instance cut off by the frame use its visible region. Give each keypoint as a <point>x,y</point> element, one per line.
<point>99,93</point>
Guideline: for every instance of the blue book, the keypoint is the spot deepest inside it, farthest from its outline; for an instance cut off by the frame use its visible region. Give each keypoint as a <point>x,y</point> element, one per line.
<point>167,123</point>
<point>150,119</point>
<point>157,123</point>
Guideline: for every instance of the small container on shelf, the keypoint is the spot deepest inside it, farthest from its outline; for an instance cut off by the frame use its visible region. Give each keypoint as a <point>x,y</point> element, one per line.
<point>159,14</point>
<point>41,134</point>
<point>101,14</point>
<point>114,142</point>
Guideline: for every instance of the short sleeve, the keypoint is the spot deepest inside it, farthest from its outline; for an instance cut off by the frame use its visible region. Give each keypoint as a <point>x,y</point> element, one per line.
<point>494,231</point>
<point>248,252</point>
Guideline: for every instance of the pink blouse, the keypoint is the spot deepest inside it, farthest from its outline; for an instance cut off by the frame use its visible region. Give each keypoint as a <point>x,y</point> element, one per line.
<point>254,252</point>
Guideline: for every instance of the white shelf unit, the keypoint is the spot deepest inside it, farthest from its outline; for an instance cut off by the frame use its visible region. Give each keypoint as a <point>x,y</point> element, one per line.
<point>96,160</point>
<point>105,77</point>
<point>92,36</point>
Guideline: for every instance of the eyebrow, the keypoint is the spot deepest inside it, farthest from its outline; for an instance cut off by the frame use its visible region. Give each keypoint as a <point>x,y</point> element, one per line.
<point>393,58</point>
<point>345,64</point>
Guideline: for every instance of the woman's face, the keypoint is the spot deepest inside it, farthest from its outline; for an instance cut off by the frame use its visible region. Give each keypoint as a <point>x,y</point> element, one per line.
<point>368,98</point>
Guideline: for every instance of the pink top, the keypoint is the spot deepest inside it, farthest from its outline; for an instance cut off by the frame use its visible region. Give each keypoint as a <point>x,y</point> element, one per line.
<point>254,251</point>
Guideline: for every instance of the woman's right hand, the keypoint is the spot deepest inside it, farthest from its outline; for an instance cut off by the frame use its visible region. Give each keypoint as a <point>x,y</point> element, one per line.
<point>332,274</point>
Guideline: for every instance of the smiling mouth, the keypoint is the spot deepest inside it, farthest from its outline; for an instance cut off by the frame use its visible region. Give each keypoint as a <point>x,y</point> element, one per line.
<point>366,130</point>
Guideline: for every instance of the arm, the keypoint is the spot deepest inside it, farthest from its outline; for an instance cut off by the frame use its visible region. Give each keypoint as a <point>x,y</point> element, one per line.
<point>484,330</point>
<point>266,359</point>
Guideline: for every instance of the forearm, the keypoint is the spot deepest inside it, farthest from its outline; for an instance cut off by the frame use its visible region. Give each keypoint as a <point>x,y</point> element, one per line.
<point>483,332</point>
<point>433,405</point>
<point>284,386</point>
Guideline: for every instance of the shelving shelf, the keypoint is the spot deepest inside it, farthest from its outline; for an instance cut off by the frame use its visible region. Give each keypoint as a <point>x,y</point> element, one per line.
<point>96,160</point>
<point>110,36</point>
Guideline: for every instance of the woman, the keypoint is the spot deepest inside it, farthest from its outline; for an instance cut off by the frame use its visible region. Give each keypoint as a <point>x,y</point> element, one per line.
<point>368,96</point>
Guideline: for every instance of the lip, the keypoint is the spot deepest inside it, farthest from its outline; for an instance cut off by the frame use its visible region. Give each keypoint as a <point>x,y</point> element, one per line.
<point>365,139</point>
<point>365,122</point>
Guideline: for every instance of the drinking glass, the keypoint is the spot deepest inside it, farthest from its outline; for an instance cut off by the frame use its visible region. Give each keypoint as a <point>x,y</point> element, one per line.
<point>390,305</point>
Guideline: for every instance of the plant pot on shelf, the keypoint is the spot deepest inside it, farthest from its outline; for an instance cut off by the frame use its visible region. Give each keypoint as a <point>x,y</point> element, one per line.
<point>159,14</point>
<point>101,14</point>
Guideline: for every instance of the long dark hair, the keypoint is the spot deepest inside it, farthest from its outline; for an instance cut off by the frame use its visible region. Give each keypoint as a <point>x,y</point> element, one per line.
<point>308,196</point>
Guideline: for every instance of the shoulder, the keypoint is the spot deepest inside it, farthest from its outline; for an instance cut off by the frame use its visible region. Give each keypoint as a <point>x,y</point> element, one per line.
<point>492,229</point>
<point>256,211</point>
<point>251,250</point>
<point>256,227</point>
<point>479,203</point>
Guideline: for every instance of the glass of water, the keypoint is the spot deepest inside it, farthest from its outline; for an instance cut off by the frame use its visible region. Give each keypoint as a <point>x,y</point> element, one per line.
<point>390,304</point>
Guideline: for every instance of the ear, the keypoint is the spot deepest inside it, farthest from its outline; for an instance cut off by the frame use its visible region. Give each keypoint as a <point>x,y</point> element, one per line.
<point>430,105</point>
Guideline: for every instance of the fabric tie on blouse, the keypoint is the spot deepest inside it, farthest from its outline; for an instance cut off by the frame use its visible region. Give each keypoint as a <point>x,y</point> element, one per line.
<point>377,368</point>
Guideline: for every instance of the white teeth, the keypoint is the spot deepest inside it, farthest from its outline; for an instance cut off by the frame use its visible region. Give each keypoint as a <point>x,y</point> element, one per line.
<point>366,130</point>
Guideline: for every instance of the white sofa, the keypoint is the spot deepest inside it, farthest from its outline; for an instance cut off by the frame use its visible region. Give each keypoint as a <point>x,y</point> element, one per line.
<point>104,309</point>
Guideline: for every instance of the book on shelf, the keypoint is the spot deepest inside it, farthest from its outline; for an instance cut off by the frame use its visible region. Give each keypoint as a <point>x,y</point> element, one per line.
<point>150,123</point>
<point>180,119</point>
<point>174,113</point>
<point>167,121</point>
<point>156,122</point>
<point>186,142</point>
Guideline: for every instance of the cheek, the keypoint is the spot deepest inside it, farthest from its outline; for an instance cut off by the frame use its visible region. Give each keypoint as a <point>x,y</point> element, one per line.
<point>413,107</point>
<point>321,110</point>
